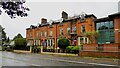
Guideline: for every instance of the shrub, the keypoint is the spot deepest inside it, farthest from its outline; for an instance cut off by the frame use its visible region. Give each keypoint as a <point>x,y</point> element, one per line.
<point>75,48</point>
<point>63,43</point>
<point>69,48</point>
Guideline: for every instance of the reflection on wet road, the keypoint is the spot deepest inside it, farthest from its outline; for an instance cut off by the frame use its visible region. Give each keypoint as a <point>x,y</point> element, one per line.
<point>20,59</point>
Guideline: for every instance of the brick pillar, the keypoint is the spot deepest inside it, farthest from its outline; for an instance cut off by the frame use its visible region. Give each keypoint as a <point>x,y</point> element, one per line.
<point>116,28</point>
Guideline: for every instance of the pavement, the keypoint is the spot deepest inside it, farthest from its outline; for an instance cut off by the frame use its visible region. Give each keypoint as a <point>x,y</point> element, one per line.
<point>27,58</point>
<point>50,53</point>
<point>70,55</point>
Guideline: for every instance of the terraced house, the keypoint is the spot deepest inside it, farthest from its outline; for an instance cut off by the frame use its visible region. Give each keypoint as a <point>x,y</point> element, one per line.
<point>48,33</point>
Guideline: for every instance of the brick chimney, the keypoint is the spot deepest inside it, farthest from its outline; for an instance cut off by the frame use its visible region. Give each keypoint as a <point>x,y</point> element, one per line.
<point>64,15</point>
<point>43,21</point>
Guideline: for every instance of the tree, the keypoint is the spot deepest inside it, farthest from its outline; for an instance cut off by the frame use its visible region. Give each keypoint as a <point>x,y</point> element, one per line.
<point>18,36</point>
<point>4,37</point>
<point>8,39</point>
<point>13,8</point>
<point>20,44</point>
<point>63,43</point>
<point>92,35</point>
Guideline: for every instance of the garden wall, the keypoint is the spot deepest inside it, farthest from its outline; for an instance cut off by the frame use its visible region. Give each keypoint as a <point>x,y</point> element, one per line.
<point>102,50</point>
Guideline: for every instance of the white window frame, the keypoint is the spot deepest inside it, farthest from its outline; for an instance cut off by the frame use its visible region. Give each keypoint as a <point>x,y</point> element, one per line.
<point>84,42</point>
<point>61,31</point>
<point>50,32</point>
<point>68,29</point>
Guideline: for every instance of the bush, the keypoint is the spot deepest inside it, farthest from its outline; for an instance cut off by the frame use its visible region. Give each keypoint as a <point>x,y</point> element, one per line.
<point>63,43</point>
<point>68,48</point>
<point>20,44</point>
<point>72,49</point>
<point>75,48</point>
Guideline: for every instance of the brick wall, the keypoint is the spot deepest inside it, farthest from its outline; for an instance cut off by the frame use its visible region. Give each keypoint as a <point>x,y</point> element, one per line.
<point>100,54</point>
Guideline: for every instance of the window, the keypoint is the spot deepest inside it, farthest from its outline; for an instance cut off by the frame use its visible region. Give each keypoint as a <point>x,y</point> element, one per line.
<point>38,34</point>
<point>45,34</point>
<point>111,25</point>
<point>83,29</point>
<point>48,42</point>
<point>50,33</point>
<point>86,40</point>
<point>74,29</point>
<point>68,30</point>
<point>83,40</point>
<point>106,30</point>
<point>30,34</point>
<point>98,26</point>
<point>61,31</point>
<point>51,42</point>
<point>118,47</point>
<point>41,34</point>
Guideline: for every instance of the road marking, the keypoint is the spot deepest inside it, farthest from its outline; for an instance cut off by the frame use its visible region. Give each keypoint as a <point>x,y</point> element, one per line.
<point>34,65</point>
<point>102,64</point>
<point>85,62</point>
<point>65,61</point>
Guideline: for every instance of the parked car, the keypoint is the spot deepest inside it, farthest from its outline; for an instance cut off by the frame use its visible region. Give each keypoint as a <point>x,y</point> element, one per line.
<point>7,48</point>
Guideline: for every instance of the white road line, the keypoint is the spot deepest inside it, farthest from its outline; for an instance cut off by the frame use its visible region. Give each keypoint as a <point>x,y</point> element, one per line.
<point>85,62</point>
<point>102,64</point>
<point>34,65</point>
<point>69,62</point>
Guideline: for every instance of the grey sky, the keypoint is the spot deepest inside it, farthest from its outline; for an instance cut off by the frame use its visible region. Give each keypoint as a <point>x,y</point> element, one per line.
<point>52,10</point>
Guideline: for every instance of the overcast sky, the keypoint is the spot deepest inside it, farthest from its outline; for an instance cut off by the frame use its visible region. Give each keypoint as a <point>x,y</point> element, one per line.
<point>52,10</point>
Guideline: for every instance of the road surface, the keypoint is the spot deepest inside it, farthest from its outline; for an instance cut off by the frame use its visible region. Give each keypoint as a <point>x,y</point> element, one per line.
<point>21,59</point>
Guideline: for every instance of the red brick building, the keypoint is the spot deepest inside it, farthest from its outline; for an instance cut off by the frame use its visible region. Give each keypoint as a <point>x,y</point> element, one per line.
<point>48,33</point>
<point>108,43</point>
<point>73,28</point>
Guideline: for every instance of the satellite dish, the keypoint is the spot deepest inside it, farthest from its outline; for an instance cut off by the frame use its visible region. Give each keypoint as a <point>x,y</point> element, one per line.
<point>61,20</point>
<point>51,21</point>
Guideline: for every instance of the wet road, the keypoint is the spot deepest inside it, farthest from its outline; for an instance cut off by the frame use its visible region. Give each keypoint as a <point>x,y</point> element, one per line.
<point>20,59</point>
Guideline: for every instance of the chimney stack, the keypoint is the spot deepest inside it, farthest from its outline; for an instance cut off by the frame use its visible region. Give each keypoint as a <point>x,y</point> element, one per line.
<point>43,21</point>
<point>64,15</point>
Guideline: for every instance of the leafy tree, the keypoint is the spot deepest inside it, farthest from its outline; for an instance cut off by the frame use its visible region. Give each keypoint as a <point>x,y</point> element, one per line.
<point>13,8</point>
<point>63,43</point>
<point>4,37</point>
<point>20,44</point>
<point>92,35</point>
<point>18,36</point>
<point>8,39</point>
